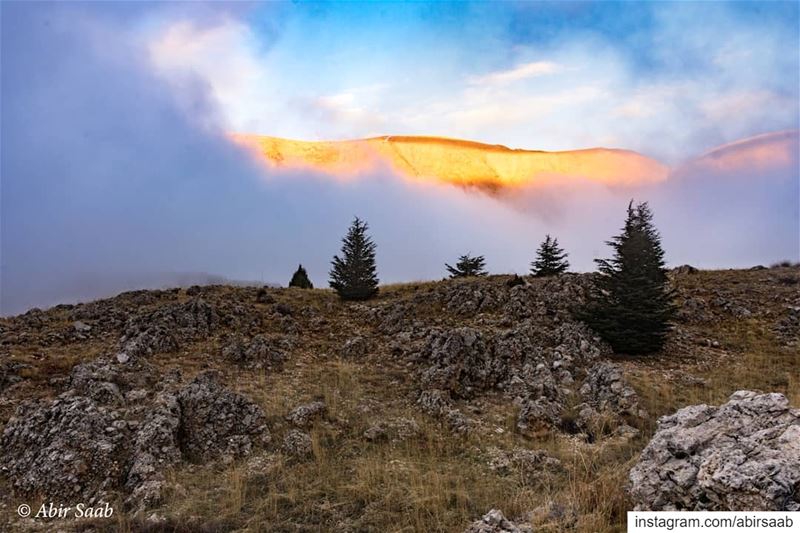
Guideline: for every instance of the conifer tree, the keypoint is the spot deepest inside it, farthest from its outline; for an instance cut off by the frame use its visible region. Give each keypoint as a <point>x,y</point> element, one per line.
<point>354,275</point>
<point>551,260</point>
<point>631,304</point>
<point>467,266</point>
<point>300,279</point>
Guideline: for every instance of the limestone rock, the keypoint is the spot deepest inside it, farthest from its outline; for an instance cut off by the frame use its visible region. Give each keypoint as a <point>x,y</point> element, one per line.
<point>606,391</point>
<point>438,403</point>
<point>531,465</point>
<point>355,348</point>
<point>72,448</point>
<point>685,269</point>
<point>393,430</point>
<point>258,352</point>
<point>539,416</point>
<point>495,522</point>
<point>155,448</point>
<point>216,421</point>
<point>303,415</point>
<point>741,456</point>
<point>461,361</point>
<point>298,444</point>
<point>165,328</point>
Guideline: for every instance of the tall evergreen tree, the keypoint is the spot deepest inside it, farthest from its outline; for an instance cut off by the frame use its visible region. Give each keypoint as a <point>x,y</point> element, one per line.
<point>551,260</point>
<point>467,266</point>
<point>631,304</point>
<point>354,275</point>
<point>300,279</point>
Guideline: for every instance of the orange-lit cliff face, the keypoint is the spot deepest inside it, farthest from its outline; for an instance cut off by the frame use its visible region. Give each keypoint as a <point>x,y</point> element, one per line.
<point>457,162</point>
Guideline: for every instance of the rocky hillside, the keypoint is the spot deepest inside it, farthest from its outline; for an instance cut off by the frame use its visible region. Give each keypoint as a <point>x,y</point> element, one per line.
<point>476,404</point>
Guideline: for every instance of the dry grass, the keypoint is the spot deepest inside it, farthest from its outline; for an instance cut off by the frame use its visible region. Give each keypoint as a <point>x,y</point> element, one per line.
<point>436,481</point>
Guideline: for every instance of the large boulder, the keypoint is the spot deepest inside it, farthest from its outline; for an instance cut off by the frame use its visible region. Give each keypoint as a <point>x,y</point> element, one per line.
<point>107,381</point>
<point>461,362</point>
<point>741,456</point>
<point>606,389</point>
<point>71,448</point>
<point>539,416</point>
<point>155,448</point>
<point>217,422</point>
<point>104,436</point>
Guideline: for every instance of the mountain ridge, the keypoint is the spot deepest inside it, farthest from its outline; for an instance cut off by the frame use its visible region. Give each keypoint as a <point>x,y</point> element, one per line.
<point>455,161</point>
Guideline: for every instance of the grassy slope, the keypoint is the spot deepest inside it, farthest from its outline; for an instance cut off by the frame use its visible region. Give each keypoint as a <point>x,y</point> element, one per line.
<point>439,481</point>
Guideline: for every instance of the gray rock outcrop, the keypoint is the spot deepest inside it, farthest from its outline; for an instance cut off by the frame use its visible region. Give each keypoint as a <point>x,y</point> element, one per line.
<point>164,329</point>
<point>298,444</point>
<point>107,435</point>
<point>258,352</point>
<point>741,456</point>
<point>609,402</point>
<point>461,361</point>
<point>532,466</point>
<point>495,522</point>
<point>70,448</point>
<point>302,415</point>
<point>217,422</point>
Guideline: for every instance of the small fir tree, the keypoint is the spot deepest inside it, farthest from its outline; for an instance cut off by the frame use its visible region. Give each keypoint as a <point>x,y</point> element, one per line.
<point>631,304</point>
<point>467,266</point>
<point>551,260</point>
<point>300,279</point>
<point>354,275</point>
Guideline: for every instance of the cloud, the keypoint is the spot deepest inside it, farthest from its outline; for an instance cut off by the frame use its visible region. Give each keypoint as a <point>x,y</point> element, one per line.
<point>224,55</point>
<point>116,164</point>
<point>107,172</point>
<point>736,205</point>
<point>671,92</point>
<point>343,109</point>
<point>751,157</point>
<point>520,72</point>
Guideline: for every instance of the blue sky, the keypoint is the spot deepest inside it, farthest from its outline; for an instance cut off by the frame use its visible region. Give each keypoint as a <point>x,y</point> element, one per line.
<point>668,79</point>
<point>115,159</point>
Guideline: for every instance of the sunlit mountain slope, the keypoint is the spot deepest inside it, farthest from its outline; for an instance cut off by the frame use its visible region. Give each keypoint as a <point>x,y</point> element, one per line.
<point>457,162</point>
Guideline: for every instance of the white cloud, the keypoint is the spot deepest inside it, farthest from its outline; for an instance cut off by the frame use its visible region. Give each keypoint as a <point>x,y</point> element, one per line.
<point>518,73</point>
<point>224,56</point>
<point>576,92</point>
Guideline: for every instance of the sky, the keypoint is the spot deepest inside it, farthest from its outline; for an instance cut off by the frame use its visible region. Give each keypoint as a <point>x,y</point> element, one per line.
<point>117,169</point>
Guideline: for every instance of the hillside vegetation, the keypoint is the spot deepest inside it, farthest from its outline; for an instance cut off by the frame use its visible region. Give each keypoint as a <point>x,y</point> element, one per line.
<point>418,410</point>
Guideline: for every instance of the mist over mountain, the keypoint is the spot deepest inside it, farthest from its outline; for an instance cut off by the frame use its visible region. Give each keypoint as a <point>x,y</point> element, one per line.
<point>93,286</point>
<point>112,171</point>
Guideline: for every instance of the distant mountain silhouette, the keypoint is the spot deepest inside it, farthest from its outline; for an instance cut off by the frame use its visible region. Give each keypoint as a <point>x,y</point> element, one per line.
<point>92,286</point>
